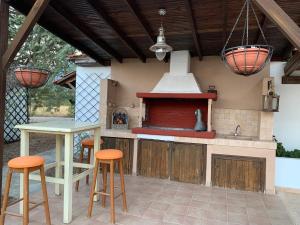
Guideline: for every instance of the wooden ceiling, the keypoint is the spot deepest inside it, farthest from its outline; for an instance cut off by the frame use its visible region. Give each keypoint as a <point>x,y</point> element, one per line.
<point>107,29</point>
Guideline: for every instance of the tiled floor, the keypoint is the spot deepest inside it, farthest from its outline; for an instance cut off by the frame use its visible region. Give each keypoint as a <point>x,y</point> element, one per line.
<point>163,202</point>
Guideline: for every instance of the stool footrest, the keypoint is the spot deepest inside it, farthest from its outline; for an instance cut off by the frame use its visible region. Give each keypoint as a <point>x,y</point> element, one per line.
<point>15,202</point>
<point>101,193</point>
<point>13,214</point>
<point>107,194</point>
<point>36,205</point>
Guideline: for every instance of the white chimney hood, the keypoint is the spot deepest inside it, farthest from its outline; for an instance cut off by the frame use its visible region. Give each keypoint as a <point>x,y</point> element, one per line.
<point>179,79</point>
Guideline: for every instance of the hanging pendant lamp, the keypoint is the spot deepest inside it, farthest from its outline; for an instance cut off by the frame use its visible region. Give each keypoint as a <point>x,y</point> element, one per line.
<point>161,47</point>
<point>247,59</point>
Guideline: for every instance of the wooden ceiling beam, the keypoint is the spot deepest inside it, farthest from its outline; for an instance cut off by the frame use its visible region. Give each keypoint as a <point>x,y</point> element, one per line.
<point>24,31</point>
<point>276,14</point>
<point>76,45</point>
<point>75,22</point>
<point>140,19</point>
<point>288,27</point>
<point>287,50</point>
<point>121,35</point>
<point>290,80</point>
<point>225,20</point>
<point>54,30</point>
<point>263,26</point>
<point>191,18</point>
<point>293,64</point>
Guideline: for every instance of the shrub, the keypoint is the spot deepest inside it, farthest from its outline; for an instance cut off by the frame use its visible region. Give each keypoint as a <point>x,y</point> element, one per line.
<point>282,152</point>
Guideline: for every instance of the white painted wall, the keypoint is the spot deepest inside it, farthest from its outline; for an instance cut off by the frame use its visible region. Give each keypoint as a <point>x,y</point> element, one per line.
<point>287,128</point>
<point>287,120</point>
<point>287,173</point>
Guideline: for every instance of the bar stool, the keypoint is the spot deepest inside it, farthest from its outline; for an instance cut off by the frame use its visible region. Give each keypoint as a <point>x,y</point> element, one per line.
<point>108,157</point>
<point>87,143</point>
<point>25,165</point>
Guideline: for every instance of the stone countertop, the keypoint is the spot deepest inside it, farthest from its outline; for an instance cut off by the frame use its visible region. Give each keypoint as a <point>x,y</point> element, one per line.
<point>226,140</point>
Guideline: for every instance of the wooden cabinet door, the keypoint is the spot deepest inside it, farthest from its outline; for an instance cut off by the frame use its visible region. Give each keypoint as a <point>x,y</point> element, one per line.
<point>243,173</point>
<point>126,146</point>
<point>188,163</point>
<point>153,158</point>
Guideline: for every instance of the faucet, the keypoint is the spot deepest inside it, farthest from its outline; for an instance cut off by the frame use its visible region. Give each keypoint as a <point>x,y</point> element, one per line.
<point>237,130</point>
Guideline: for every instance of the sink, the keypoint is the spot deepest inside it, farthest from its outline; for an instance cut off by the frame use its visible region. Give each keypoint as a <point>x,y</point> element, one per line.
<point>238,137</point>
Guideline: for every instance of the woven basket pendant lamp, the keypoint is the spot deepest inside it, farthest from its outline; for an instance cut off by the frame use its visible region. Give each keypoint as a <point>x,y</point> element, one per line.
<point>247,59</point>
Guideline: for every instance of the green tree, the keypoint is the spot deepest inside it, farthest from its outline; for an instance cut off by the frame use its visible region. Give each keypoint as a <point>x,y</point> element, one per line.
<point>43,50</point>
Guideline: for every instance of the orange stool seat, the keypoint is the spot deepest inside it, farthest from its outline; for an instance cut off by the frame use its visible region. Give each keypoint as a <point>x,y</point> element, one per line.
<point>26,162</point>
<point>89,142</point>
<point>109,154</point>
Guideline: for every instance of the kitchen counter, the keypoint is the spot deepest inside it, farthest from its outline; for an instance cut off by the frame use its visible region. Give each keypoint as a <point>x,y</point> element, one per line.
<point>224,140</point>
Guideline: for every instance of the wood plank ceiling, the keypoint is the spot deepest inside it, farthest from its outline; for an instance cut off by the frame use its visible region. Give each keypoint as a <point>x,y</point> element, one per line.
<point>117,29</point>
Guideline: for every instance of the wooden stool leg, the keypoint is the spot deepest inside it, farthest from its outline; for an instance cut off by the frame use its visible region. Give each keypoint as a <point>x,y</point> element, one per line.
<point>104,178</point>
<point>93,188</point>
<point>79,169</point>
<point>112,197</point>
<point>6,196</point>
<point>26,197</point>
<point>88,161</point>
<point>122,185</point>
<point>45,195</point>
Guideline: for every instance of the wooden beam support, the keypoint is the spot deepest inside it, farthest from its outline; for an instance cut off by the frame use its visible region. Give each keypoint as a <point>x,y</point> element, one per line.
<point>22,34</point>
<point>121,35</point>
<point>276,14</point>
<point>44,23</point>
<point>75,22</point>
<point>288,27</point>
<point>263,26</point>
<point>86,50</point>
<point>290,80</point>
<point>191,18</point>
<point>140,19</point>
<point>292,65</point>
<point>4,14</point>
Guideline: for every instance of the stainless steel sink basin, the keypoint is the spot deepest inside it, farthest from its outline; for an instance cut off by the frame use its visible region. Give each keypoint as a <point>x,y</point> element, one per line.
<point>238,137</point>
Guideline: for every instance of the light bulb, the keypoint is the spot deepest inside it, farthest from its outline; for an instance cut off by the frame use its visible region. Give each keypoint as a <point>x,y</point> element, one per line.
<point>160,55</point>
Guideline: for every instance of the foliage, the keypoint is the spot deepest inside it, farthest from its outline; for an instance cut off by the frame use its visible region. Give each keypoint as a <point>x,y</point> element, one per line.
<point>43,50</point>
<point>282,152</point>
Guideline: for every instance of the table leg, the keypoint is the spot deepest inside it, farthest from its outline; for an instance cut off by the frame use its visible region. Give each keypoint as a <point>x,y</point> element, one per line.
<point>68,178</point>
<point>97,147</point>
<point>58,168</point>
<point>24,151</point>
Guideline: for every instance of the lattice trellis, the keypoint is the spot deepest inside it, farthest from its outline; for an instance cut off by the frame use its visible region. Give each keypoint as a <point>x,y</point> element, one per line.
<point>87,99</point>
<point>15,112</point>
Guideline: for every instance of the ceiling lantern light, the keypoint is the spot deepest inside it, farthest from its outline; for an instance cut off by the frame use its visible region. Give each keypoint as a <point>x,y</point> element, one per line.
<point>161,47</point>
